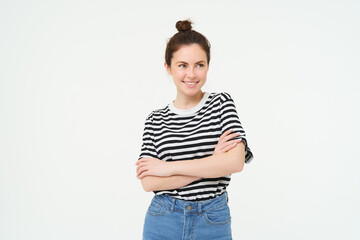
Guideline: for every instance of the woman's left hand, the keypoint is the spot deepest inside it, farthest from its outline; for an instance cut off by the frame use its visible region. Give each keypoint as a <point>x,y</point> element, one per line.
<point>152,166</point>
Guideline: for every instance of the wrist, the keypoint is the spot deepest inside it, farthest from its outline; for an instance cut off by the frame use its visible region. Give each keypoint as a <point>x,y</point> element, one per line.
<point>171,166</point>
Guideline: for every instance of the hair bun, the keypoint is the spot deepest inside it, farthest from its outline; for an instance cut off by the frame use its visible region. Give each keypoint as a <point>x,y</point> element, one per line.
<point>183,26</point>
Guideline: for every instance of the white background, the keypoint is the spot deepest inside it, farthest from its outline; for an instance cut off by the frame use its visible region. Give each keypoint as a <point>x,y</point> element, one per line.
<point>78,79</point>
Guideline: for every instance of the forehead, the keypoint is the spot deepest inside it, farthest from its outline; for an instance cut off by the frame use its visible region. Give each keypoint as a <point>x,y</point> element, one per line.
<point>190,53</point>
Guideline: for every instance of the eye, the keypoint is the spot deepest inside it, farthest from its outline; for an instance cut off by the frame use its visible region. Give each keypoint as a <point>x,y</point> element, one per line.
<point>200,65</point>
<point>182,65</point>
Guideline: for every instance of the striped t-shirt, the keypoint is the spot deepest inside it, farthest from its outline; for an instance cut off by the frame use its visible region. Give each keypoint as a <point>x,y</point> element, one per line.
<point>173,134</point>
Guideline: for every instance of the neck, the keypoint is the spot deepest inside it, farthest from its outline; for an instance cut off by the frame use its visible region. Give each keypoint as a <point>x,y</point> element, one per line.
<point>186,102</point>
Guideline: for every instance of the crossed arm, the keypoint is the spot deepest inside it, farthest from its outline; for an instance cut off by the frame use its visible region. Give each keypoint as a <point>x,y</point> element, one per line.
<point>228,157</point>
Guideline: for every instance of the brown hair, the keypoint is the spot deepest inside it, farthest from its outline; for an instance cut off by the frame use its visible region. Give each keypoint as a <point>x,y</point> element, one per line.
<point>185,36</point>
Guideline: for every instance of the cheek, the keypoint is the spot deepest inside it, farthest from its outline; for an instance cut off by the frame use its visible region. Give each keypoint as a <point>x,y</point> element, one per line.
<point>179,75</point>
<point>202,74</point>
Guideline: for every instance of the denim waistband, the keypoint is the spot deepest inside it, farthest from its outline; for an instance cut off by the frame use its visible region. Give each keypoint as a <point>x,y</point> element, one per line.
<point>178,205</point>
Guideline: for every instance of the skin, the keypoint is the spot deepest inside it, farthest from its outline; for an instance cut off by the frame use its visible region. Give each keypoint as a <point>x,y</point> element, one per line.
<point>189,64</point>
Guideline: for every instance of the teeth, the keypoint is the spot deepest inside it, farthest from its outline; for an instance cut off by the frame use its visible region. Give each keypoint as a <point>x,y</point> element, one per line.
<point>190,83</point>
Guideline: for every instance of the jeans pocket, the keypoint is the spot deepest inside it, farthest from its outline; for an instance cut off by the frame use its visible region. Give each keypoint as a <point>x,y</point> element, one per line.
<point>156,209</point>
<point>218,216</point>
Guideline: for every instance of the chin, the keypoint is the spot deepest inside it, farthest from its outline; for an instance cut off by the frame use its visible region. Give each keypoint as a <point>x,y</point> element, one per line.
<point>191,92</point>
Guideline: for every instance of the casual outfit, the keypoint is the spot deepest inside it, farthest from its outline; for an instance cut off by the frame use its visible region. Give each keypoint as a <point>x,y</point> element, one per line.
<point>198,210</point>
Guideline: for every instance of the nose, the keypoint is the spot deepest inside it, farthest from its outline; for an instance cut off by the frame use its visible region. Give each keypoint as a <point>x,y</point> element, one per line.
<point>191,73</point>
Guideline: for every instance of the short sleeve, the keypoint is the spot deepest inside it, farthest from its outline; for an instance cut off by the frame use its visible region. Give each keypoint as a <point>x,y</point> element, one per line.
<point>230,120</point>
<point>148,144</point>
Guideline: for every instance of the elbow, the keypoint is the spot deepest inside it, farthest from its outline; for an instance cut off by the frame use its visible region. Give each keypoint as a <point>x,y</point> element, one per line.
<point>239,157</point>
<point>146,188</point>
<point>238,162</point>
<point>146,184</point>
<point>239,166</point>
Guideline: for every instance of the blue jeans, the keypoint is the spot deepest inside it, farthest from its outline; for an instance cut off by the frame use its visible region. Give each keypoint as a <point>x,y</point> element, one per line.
<point>174,219</point>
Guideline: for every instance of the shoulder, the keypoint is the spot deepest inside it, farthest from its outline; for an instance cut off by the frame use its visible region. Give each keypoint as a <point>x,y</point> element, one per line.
<point>226,101</point>
<point>225,96</point>
<point>157,113</point>
<point>222,96</point>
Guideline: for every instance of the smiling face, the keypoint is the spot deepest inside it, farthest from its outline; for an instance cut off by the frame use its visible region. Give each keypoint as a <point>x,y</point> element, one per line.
<point>188,69</point>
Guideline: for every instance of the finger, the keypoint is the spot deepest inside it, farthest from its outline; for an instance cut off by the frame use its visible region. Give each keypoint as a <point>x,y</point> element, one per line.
<point>225,134</point>
<point>231,136</point>
<point>143,174</point>
<point>141,164</point>
<point>139,173</point>
<point>226,147</point>
<point>141,169</point>
<point>222,139</point>
<point>144,159</point>
<point>225,143</point>
<point>228,137</point>
<point>137,168</point>
<point>232,142</point>
<point>227,140</point>
<point>230,146</point>
<point>222,145</point>
<point>141,160</point>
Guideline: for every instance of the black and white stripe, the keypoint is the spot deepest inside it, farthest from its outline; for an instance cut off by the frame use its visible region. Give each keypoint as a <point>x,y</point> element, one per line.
<point>172,134</point>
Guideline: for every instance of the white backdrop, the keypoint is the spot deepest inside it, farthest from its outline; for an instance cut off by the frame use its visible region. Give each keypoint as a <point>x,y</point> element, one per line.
<point>78,79</point>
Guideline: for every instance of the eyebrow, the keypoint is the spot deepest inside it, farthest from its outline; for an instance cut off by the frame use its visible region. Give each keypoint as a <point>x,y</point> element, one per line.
<point>187,63</point>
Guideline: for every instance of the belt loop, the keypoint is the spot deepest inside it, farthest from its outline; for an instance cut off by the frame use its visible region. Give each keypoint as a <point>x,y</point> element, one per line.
<point>173,205</point>
<point>199,207</point>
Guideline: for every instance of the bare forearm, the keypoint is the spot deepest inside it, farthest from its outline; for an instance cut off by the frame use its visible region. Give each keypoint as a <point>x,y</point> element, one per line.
<point>213,166</point>
<point>155,183</point>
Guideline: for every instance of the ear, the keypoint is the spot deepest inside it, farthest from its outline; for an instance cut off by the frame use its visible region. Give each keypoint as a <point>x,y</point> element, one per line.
<point>167,67</point>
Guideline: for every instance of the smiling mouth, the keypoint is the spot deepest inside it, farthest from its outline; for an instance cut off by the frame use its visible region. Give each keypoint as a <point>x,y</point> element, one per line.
<point>190,84</point>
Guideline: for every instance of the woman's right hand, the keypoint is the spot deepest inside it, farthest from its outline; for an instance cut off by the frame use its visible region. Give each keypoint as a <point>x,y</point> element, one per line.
<point>223,144</point>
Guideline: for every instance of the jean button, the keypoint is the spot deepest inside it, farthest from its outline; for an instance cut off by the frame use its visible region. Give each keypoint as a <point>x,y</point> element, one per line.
<point>188,208</point>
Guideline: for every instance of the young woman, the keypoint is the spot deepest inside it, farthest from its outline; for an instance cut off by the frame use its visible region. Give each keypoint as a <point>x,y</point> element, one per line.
<point>190,149</point>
